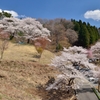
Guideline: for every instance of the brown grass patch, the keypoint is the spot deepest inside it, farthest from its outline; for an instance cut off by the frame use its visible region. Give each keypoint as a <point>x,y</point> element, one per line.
<point>26,53</point>
<point>20,80</point>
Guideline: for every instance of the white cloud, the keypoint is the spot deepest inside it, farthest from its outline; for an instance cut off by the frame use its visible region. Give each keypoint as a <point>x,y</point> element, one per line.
<point>21,16</point>
<point>14,14</point>
<point>93,14</point>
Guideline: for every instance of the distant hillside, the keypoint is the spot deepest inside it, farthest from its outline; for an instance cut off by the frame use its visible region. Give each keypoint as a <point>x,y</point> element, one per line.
<point>65,33</point>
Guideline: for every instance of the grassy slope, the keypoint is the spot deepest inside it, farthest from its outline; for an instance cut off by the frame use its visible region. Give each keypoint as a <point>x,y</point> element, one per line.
<point>26,53</point>
<point>20,80</point>
<point>22,73</point>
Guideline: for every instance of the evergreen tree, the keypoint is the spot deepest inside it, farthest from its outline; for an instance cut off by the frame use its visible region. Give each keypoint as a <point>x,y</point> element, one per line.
<point>87,34</point>
<point>76,26</point>
<point>4,14</point>
<point>90,33</point>
<point>84,36</point>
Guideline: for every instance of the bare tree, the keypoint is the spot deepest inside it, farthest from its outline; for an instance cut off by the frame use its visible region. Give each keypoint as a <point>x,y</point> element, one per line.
<point>71,35</point>
<point>4,39</point>
<point>58,28</point>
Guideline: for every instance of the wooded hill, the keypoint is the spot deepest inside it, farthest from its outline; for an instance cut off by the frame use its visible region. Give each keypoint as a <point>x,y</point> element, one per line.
<point>62,32</point>
<point>65,33</point>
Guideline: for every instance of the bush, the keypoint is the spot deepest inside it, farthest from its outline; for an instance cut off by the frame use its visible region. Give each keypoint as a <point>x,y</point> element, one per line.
<point>39,50</point>
<point>59,47</point>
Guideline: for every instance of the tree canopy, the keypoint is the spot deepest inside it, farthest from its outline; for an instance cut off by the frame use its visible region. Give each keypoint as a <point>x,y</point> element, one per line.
<point>29,28</point>
<point>5,14</point>
<point>87,34</point>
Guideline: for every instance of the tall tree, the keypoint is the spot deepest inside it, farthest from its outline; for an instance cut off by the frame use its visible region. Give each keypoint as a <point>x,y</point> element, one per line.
<point>4,39</point>
<point>76,26</point>
<point>72,36</point>
<point>84,36</point>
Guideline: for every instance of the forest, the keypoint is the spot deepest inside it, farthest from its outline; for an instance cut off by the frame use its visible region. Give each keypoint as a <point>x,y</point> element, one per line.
<point>65,33</point>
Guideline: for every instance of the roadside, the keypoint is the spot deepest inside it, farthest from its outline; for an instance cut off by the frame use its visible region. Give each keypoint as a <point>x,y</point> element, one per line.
<point>86,93</point>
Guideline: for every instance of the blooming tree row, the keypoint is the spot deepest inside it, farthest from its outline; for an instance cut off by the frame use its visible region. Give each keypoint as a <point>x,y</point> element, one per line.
<point>65,62</point>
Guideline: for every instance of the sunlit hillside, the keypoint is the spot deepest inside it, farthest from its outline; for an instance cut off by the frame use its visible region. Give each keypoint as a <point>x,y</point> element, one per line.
<point>28,53</point>
<point>22,73</point>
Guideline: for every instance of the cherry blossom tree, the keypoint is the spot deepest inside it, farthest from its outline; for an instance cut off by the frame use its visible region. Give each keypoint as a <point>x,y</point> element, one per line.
<point>27,29</point>
<point>96,50</point>
<point>40,44</point>
<point>29,26</point>
<point>65,62</point>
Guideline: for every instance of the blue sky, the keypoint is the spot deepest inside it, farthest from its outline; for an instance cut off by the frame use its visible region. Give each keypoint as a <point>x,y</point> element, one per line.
<point>85,10</point>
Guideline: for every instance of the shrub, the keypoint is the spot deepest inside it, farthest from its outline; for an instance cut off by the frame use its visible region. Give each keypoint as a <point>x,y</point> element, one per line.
<point>59,47</point>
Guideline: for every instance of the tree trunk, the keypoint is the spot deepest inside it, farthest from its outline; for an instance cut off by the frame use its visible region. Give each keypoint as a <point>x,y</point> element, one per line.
<point>71,81</point>
<point>2,54</point>
<point>28,41</point>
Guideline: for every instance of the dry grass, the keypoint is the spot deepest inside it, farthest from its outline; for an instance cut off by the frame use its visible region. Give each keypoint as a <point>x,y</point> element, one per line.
<point>22,73</point>
<point>20,80</point>
<point>26,53</point>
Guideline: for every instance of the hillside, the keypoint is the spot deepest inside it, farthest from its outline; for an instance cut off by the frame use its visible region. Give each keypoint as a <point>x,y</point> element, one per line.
<point>23,76</point>
<point>66,33</point>
<point>26,53</point>
<point>19,80</point>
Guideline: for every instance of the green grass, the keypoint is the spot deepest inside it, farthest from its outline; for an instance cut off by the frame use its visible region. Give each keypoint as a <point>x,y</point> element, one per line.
<point>96,92</point>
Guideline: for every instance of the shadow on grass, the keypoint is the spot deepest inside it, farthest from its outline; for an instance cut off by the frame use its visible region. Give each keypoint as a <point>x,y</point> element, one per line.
<point>37,56</point>
<point>33,60</point>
